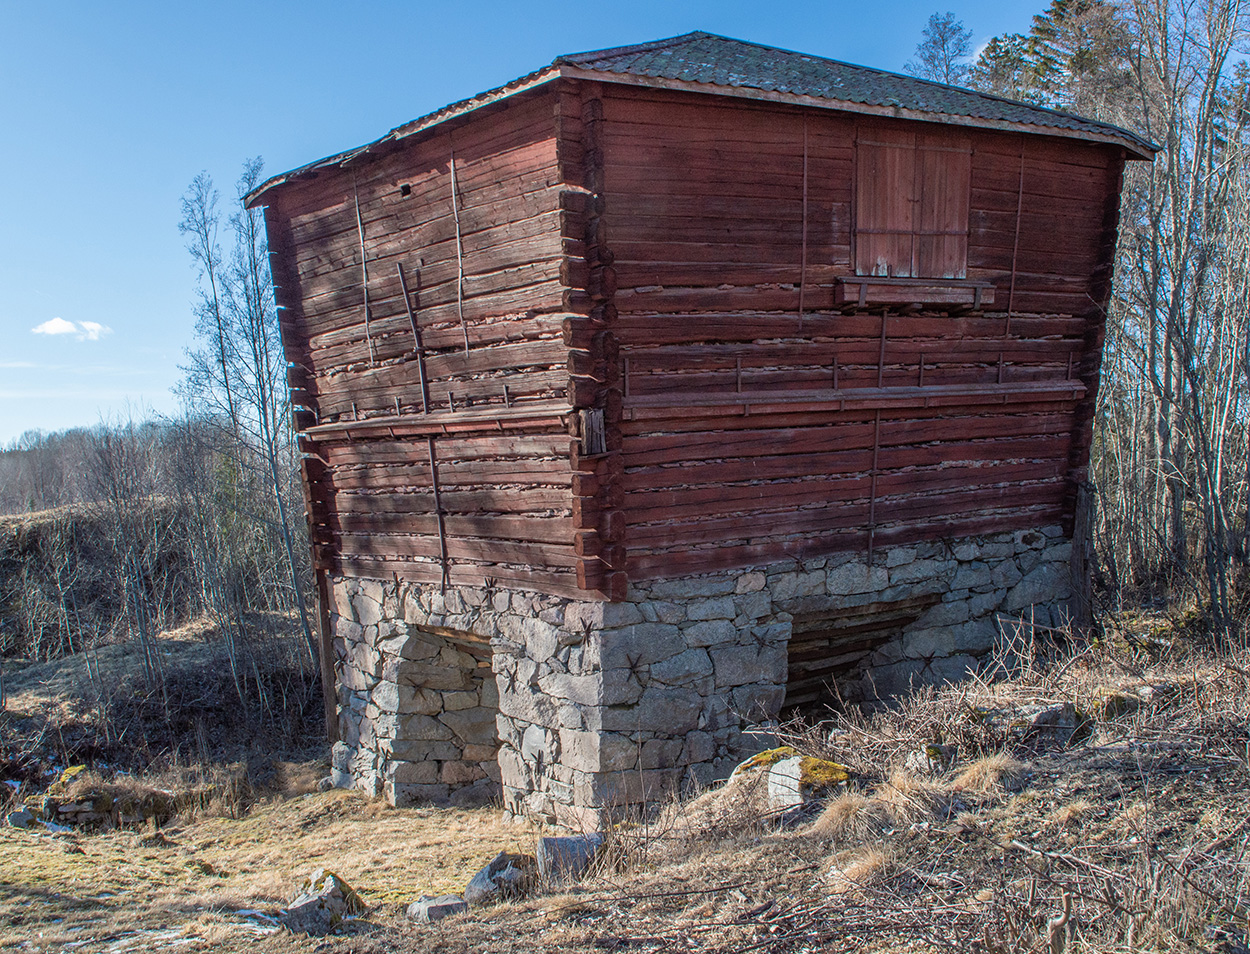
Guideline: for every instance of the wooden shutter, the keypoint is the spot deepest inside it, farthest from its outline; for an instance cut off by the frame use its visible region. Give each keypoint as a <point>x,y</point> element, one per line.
<point>911,204</point>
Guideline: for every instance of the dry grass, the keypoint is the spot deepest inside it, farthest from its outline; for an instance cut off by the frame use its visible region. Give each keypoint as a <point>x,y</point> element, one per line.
<point>1144,825</point>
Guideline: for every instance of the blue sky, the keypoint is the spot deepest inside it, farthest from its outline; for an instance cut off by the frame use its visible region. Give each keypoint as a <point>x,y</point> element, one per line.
<point>108,110</point>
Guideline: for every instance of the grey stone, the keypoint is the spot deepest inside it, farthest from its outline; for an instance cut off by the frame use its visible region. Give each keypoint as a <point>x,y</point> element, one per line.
<point>951,668</point>
<point>661,753</point>
<point>564,858</point>
<point>698,747</point>
<point>22,818</point>
<point>535,746</point>
<point>414,773</point>
<point>899,556</point>
<point>427,909</point>
<point>1045,583</point>
<point>322,905</point>
<point>692,588</point>
<point>506,876</point>
<point>971,575</point>
<point>682,669</point>
<point>423,728</point>
<point>483,792</point>
<point>758,702</point>
<point>1005,574</point>
<point>667,711</point>
<point>720,607</point>
<point>739,665</point>
<point>639,644</point>
<point>751,582</point>
<point>406,796</point>
<point>709,633</point>
<point>753,605</point>
<point>943,614</point>
<point>851,578</point>
<point>919,570</point>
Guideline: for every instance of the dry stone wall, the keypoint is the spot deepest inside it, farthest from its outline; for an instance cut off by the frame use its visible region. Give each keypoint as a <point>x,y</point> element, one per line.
<point>568,709</point>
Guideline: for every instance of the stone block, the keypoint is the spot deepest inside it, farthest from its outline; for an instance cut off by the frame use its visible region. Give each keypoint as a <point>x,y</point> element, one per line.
<point>480,753</point>
<point>752,606</point>
<point>460,773</point>
<point>759,702</point>
<point>471,726</point>
<point>1046,583</point>
<point>899,556</point>
<point>784,586</point>
<point>663,711</point>
<point>718,607</point>
<point>751,582</point>
<point>971,575</point>
<point>943,614</point>
<point>460,699</point>
<point>697,747</point>
<point>405,796</point>
<point>893,680</point>
<point>708,633</point>
<point>423,728</point>
<point>443,678</point>
<point>919,570</point>
<point>413,773</point>
<point>692,588</point>
<point>952,668</point>
<point>416,750</point>
<point>683,669</point>
<point>851,578</point>
<point>739,665</point>
<point>1029,540</point>
<point>582,690</point>
<point>661,753</point>
<point>1006,574</point>
<point>639,644</point>
<point>579,750</point>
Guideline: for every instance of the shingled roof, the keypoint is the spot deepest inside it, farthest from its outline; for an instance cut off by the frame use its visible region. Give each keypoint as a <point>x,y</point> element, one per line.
<point>707,63</point>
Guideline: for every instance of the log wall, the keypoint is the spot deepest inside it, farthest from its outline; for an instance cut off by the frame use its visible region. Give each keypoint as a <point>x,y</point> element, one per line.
<point>761,420</point>
<point>437,424</point>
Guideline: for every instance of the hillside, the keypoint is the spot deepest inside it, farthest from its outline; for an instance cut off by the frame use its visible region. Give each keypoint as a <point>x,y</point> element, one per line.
<point>968,819</point>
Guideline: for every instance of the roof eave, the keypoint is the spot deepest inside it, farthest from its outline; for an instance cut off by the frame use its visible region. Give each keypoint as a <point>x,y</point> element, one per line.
<point>406,131</point>
<point>1135,149</point>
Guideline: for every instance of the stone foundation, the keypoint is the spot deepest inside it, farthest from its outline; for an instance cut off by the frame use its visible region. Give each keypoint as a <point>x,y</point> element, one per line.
<point>594,705</point>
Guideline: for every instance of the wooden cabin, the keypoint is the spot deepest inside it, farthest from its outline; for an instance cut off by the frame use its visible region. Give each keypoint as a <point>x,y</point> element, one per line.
<point>667,385</point>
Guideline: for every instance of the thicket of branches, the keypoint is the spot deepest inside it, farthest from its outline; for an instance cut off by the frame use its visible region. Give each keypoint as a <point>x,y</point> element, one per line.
<point>1171,464</point>
<point>164,520</point>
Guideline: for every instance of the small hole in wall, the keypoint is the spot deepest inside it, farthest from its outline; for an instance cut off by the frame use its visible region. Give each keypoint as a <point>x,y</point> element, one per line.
<point>405,189</point>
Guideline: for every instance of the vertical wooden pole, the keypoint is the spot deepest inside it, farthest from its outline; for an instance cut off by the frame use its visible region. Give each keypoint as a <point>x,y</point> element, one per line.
<point>455,212</point>
<point>364,270</point>
<point>416,336</point>
<point>1015,248</point>
<point>872,491</point>
<point>803,264</point>
<point>438,512</point>
<point>881,354</point>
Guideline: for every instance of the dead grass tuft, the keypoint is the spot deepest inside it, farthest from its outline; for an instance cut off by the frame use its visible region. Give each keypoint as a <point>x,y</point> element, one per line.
<point>988,775</point>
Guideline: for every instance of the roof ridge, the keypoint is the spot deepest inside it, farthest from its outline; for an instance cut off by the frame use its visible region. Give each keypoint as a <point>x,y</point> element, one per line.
<point>647,47</point>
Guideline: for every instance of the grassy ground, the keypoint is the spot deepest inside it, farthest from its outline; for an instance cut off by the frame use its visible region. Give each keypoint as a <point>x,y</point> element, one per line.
<point>1139,828</point>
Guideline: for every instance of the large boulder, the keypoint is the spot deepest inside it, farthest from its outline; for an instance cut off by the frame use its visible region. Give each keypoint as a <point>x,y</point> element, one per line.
<point>428,908</point>
<point>565,857</point>
<point>507,876</point>
<point>323,903</point>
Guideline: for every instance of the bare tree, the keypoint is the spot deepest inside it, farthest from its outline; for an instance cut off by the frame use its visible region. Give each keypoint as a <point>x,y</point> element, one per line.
<point>239,377</point>
<point>942,56</point>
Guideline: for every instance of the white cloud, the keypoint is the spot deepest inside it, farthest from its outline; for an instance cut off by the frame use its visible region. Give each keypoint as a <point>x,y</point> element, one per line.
<point>85,330</point>
<point>92,330</point>
<point>55,326</point>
